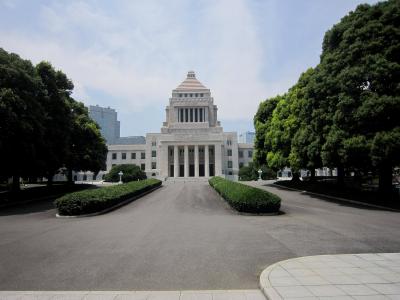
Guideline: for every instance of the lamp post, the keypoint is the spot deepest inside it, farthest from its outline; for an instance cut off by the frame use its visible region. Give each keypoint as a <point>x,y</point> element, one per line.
<point>120,177</point>
<point>259,174</point>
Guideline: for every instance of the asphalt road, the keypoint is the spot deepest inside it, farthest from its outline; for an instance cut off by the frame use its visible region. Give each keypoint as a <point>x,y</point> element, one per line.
<point>182,236</point>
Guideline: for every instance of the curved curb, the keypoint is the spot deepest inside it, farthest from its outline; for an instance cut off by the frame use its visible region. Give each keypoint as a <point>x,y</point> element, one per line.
<point>272,291</point>
<point>110,208</point>
<point>338,198</point>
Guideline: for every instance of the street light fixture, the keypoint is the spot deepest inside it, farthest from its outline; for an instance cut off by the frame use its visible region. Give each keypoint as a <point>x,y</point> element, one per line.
<point>120,177</point>
<point>259,174</point>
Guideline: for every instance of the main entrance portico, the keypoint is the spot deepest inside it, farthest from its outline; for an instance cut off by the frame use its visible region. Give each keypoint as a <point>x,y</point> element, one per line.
<point>192,160</point>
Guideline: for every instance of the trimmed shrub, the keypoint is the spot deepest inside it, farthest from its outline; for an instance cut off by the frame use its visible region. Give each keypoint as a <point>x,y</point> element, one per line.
<point>131,173</point>
<point>245,198</point>
<point>91,201</point>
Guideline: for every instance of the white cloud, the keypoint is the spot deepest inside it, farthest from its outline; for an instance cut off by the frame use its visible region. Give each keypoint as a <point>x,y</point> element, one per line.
<point>136,53</point>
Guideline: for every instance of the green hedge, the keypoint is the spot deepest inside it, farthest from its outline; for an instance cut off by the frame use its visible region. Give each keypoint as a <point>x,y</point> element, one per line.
<point>90,201</point>
<point>245,198</point>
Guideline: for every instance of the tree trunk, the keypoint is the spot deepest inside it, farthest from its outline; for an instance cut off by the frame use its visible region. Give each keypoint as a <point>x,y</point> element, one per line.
<point>15,183</point>
<point>69,176</point>
<point>49,179</point>
<point>312,176</point>
<point>295,177</point>
<point>340,175</point>
<point>385,179</point>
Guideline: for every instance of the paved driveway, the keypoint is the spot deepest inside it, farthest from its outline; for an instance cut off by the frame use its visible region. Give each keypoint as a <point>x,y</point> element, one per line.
<point>182,236</point>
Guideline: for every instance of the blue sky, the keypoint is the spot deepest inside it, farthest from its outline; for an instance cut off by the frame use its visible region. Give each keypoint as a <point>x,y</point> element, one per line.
<point>129,55</point>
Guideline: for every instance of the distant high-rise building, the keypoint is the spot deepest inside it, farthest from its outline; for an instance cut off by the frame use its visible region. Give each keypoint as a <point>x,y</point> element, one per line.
<point>246,137</point>
<point>107,120</point>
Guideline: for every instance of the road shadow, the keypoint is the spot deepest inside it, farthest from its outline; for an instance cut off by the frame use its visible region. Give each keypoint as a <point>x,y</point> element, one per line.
<point>28,208</point>
<point>348,203</point>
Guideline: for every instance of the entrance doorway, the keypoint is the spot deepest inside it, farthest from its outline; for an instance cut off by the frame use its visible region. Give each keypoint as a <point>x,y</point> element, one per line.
<point>201,170</point>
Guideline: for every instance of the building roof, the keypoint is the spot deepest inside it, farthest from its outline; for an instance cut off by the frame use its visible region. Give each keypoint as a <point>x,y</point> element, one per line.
<point>191,83</point>
<point>130,140</point>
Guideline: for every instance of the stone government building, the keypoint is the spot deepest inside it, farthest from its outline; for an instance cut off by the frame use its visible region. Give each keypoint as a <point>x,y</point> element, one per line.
<point>191,144</point>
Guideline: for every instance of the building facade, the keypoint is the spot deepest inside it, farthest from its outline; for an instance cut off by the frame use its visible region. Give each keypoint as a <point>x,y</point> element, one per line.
<point>191,143</point>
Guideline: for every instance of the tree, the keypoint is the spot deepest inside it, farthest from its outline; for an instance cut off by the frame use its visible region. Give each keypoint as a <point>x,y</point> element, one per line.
<point>130,173</point>
<point>248,173</point>
<point>261,123</point>
<point>87,148</point>
<point>359,91</point>
<point>22,118</point>
<point>43,129</point>
<point>58,118</point>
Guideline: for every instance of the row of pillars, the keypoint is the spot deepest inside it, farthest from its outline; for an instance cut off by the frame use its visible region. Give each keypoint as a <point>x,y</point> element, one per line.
<point>196,161</point>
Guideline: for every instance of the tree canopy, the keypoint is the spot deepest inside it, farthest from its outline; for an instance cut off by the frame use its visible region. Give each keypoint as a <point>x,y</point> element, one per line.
<point>42,128</point>
<point>344,112</point>
<point>130,173</point>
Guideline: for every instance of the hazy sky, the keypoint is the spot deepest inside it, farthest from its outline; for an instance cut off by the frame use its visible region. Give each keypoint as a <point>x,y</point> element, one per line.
<point>129,55</point>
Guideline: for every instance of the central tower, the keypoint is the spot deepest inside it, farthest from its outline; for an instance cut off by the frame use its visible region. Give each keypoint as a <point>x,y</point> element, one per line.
<point>191,107</point>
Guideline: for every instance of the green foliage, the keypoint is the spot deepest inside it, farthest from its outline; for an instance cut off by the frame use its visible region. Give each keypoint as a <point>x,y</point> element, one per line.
<point>250,172</point>
<point>88,149</point>
<point>131,172</point>
<point>42,128</point>
<point>91,201</point>
<point>22,116</point>
<point>343,113</point>
<point>245,198</point>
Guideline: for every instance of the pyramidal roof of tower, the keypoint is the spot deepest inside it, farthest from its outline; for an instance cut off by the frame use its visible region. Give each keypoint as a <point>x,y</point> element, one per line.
<point>191,83</point>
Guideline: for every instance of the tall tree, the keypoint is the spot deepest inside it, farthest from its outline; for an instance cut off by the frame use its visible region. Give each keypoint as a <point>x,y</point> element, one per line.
<point>56,92</point>
<point>360,89</point>
<point>22,117</point>
<point>87,148</point>
<point>262,120</point>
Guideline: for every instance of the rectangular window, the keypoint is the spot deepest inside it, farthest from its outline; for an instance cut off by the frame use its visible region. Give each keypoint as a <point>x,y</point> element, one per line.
<point>154,144</point>
<point>142,167</point>
<point>250,154</point>
<point>195,114</point>
<point>229,142</point>
<point>186,115</point>
<point>191,115</point>
<point>114,156</point>
<point>229,152</point>
<point>201,114</point>
<point>153,153</point>
<point>153,165</point>
<point>241,165</point>
<point>133,155</point>
<point>229,164</point>
<point>123,155</point>
<point>142,155</point>
<point>240,154</point>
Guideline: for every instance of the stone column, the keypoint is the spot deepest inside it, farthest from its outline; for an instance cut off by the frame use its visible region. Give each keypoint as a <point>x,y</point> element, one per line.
<point>206,162</point>
<point>186,159</point>
<point>218,160</point>
<point>196,161</point>
<point>176,161</point>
